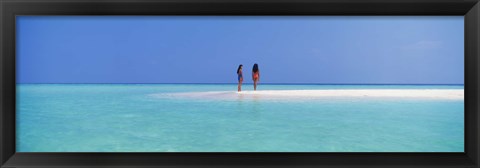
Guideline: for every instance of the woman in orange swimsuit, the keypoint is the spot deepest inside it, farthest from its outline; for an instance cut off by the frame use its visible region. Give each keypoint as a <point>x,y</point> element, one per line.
<point>255,76</point>
<point>240,77</point>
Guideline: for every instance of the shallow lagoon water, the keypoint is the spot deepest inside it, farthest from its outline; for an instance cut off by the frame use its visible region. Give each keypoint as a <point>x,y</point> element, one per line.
<point>134,118</point>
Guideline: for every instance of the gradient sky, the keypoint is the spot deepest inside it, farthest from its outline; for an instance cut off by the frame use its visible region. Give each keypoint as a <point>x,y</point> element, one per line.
<point>208,49</point>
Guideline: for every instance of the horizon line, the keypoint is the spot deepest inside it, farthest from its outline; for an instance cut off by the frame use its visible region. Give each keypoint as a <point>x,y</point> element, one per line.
<point>273,83</point>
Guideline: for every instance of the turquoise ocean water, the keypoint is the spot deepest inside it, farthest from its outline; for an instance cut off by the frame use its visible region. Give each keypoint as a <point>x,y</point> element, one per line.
<point>133,118</point>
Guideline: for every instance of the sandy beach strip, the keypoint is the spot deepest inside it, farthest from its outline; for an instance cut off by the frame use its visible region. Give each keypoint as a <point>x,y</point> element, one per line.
<point>406,93</point>
<point>453,94</point>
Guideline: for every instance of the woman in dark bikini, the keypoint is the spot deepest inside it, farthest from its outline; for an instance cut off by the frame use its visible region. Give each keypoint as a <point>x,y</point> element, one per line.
<point>255,76</point>
<point>240,77</point>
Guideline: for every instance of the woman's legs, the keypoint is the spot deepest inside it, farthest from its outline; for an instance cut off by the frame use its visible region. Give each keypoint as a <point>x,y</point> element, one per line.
<point>239,86</point>
<point>254,84</point>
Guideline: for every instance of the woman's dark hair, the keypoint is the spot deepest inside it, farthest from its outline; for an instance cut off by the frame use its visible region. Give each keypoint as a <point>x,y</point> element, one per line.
<point>255,68</point>
<point>238,70</point>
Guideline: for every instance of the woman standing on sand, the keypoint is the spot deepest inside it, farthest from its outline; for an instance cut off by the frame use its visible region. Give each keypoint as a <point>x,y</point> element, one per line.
<point>255,75</point>
<point>240,77</point>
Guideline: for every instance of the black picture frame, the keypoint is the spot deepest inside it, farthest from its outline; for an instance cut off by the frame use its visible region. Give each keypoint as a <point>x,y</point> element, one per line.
<point>9,9</point>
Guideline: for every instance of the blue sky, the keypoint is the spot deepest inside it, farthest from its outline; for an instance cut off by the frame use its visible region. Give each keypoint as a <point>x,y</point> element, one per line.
<point>208,49</point>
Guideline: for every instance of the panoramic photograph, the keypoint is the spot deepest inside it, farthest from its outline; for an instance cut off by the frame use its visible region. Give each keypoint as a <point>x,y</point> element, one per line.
<point>240,84</point>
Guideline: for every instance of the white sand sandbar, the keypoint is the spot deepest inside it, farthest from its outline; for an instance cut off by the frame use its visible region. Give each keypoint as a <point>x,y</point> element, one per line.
<point>453,94</point>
